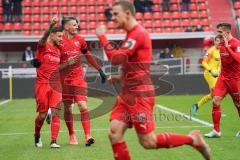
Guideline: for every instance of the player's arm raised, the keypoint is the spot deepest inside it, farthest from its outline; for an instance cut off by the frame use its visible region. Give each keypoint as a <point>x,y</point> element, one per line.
<point>233,50</point>
<point>46,34</point>
<point>116,55</point>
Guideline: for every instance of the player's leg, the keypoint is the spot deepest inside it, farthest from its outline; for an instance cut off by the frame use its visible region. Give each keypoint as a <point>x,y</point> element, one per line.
<point>116,134</point>
<point>85,121</point>
<point>39,120</point>
<point>211,83</point>
<point>55,127</point>
<point>171,140</point>
<point>49,116</point>
<point>68,117</point>
<point>219,93</point>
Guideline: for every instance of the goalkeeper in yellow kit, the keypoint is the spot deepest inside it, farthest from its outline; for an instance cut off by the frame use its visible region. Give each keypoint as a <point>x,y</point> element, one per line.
<point>211,63</point>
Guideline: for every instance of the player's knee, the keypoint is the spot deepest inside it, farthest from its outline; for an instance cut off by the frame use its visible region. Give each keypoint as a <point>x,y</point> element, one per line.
<point>82,106</point>
<point>55,112</point>
<point>217,100</point>
<point>42,115</point>
<point>114,136</point>
<point>148,143</point>
<point>68,110</point>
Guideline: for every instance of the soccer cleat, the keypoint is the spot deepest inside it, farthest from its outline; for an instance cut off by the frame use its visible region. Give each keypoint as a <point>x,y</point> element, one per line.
<point>89,141</point>
<point>194,109</point>
<point>38,142</point>
<point>213,134</point>
<point>48,118</point>
<point>73,139</point>
<point>54,144</point>
<point>200,145</point>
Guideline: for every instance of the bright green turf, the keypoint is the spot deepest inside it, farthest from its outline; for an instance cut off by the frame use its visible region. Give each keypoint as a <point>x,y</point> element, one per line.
<point>18,116</point>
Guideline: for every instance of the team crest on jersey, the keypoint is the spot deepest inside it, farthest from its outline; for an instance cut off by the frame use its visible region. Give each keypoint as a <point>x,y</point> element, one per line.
<point>77,44</point>
<point>129,44</point>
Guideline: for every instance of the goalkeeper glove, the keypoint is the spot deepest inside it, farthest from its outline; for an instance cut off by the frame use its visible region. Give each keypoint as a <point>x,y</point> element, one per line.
<point>36,63</point>
<point>102,75</point>
<point>214,73</point>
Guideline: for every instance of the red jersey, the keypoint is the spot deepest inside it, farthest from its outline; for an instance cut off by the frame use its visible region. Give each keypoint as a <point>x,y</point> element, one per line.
<point>50,58</point>
<point>135,56</point>
<point>71,48</point>
<point>230,67</point>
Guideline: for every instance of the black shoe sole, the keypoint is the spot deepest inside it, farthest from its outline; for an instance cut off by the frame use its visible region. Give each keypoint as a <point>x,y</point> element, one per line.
<point>90,142</point>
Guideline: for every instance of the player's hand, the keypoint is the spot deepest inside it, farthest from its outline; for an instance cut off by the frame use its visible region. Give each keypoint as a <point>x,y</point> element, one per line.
<point>101,30</point>
<point>214,73</point>
<point>225,39</point>
<point>54,20</point>
<point>113,79</point>
<point>103,76</point>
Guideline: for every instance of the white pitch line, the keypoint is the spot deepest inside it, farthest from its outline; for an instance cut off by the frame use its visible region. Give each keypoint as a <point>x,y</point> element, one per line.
<point>3,102</point>
<point>96,130</point>
<point>184,115</point>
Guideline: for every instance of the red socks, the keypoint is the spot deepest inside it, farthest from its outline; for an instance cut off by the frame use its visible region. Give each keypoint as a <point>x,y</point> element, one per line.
<point>68,117</point>
<point>170,140</point>
<point>216,116</point>
<point>85,119</point>
<point>38,125</point>
<point>55,126</point>
<point>120,151</point>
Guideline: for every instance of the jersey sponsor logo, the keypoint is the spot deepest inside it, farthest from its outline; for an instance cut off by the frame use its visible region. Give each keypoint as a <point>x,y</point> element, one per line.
<point>130,43</point>
<point>224,54</point>
<point>77,44</point>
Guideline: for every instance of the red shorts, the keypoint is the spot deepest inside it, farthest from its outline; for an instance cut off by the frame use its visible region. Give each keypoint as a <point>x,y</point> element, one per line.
<point>75,91</point>
<point>46,97</point>
<point>139,115</point>
<point>230,86</point>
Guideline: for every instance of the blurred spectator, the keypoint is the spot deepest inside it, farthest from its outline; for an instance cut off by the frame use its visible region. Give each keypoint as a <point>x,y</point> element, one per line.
<point>189,29</point>
<point>17,10</point>
<point>166,5</point>
<point>166,54</point>
<point>177,51</point>
<point>28,54</point>
<point>108,12</point>
<point>185,5</point>
<point>6,4</point>
<point>143,5</point>
<point>199,28</point>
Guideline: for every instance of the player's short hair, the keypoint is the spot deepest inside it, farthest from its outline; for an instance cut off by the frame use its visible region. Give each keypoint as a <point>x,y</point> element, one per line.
<point>226,26</point>
<point>66,19</point>
<point>126,6</point>
<point>217,37</point>
<point>57,29</point>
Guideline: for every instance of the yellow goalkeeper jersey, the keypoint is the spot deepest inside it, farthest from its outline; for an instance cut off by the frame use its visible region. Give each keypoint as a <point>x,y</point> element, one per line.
<point>211,60</point>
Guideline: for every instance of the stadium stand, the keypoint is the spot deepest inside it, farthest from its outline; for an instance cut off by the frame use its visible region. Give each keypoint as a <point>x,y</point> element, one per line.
<point>36,14</point>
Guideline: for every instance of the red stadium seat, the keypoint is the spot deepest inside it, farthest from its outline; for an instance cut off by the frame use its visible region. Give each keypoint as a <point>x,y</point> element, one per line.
<point>206,29</point>
<point>101,2</point>
<point>46,18</point>
<point>27,26</point>
<point>195,22</point>
<point>110,25</point>
<point>156,8</point>
<point>185,23</point>
<point>178,29</point>
<point>193,7</point>
<point>46,3</point>
<point>158,30</point>
<point>64,10</point>
<point>8,26</point>
<point>73,2</point>
<point>83,31</point>
<point>55,3</point>
<point>91,9</point>
<point>173,1</point>
<point>148,24</point>
<point>27,3</point>
<point>203,14</point>
<point>17,26</point>
<point>176,23</point>
<point>92,17</point>
<point>45,25</point>
<point>27,10</point>
<point>194,14</point>
<point>36,26</point>
<point>37,18</point>
<point>205,22</point>
<point>147,15</point>
<point>27,18</point>
<point>46,10</point>
<point>91,2</point>
<point>176,15</point>
<point>36,10</point>
<point>139,16</point>
<point>54,10</point>
<point>37,32</point>
<point>92,25</point>
<point>185,15</point>
<point>27,33</point>
<point>82,2</point>
<point>150,30</point>
<point>64,2</point>
<point>83,9</point>
<point>36,3</point>
<point>202,1</point>
<point>174,7</point>
<point>158,23</point>
<point>168,30</point>
<point>166,15</point>
<point>83,17</point>
<point>202,6</point>
<point>83,25</point>
<point>101,17</point>
<point>73,9</point>
<point>167,23</point>
<point>100,9</point>
<point>110,31</point>
<point>237,5</point>
<point>156,15</point>
<point>101,23</point>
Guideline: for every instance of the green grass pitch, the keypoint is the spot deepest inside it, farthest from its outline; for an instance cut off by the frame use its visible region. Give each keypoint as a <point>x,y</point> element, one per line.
<point>17,126</point>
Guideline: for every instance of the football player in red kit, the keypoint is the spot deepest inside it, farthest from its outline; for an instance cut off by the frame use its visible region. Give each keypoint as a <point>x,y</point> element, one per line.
<point>134,105</point>
<point>47,61</point>
<point>74,84</point>
<point>229,78</point>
